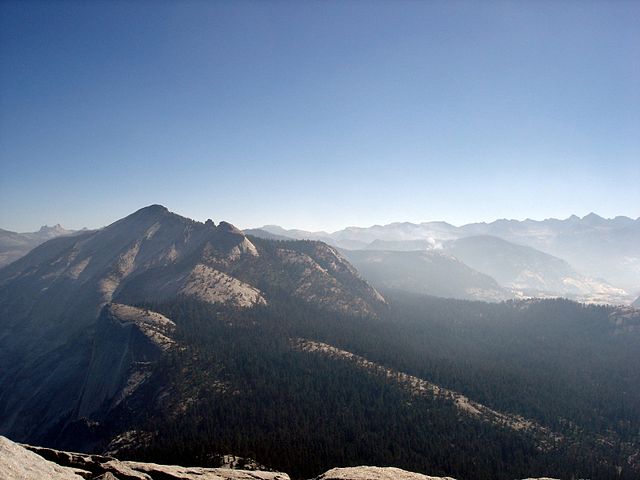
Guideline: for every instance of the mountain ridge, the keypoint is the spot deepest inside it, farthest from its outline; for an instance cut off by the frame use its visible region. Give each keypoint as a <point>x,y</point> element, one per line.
<point>605,251</point>
<point>159,337</point>
<point>571,218</point>
<point>58,291</point>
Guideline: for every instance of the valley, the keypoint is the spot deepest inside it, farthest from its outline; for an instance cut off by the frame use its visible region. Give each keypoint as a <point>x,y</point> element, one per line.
<point>321,240</point>
<point>589,259</point>
<point>166,340</point>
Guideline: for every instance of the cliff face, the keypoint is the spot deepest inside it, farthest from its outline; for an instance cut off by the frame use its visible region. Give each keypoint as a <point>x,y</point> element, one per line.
<point>128,343</point>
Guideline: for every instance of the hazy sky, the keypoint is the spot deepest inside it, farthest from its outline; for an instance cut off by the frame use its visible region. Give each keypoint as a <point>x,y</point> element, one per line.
<point>318,115</point>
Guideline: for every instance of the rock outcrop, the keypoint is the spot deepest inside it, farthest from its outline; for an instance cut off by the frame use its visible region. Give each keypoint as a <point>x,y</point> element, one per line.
<point>129,341</point>
<point>374,473</point>
<point>18,463</point>
<point>25,462</point>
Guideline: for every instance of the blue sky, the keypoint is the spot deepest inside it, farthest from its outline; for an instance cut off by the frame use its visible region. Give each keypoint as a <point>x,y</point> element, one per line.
<point>318,115</point>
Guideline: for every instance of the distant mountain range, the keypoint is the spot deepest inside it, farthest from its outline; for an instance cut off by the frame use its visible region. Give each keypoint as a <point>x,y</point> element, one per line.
<point>14,245</point>
<point>161,338</point>
<point>589,259</point>
<point>528,272</point>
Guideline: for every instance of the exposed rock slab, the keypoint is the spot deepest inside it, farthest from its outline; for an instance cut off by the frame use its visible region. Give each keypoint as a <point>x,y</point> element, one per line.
<point>155,326</point>
<point>18,463</point>
<point>102,467</point>
<point>374,473</point>
<point>187,473</point>
<point>129,340</point>
<point>212,286</point>
<point>26,462</point>
<point>383,473</point>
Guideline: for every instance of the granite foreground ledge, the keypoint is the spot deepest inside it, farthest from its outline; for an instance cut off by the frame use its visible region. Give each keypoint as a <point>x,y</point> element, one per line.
<point>26,462</point>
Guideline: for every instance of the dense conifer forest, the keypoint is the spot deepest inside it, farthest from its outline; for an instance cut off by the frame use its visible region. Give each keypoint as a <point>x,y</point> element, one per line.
<point>243,389</point>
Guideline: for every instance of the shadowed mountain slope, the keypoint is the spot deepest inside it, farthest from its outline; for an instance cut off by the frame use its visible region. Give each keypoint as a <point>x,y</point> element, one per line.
<point>57,292</point>
<point>166,340</point>
<point>530,272</point>
<point>425,272</point>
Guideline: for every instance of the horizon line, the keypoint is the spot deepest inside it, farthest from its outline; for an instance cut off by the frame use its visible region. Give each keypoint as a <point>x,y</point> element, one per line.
<point>331,232</point>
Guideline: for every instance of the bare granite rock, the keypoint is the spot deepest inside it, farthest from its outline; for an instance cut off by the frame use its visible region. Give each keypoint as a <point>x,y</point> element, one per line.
<point>18,463</point>
<point>26,462</point>
<point>374,473</point>
<point>383,473</point>
<point>188,473</point>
